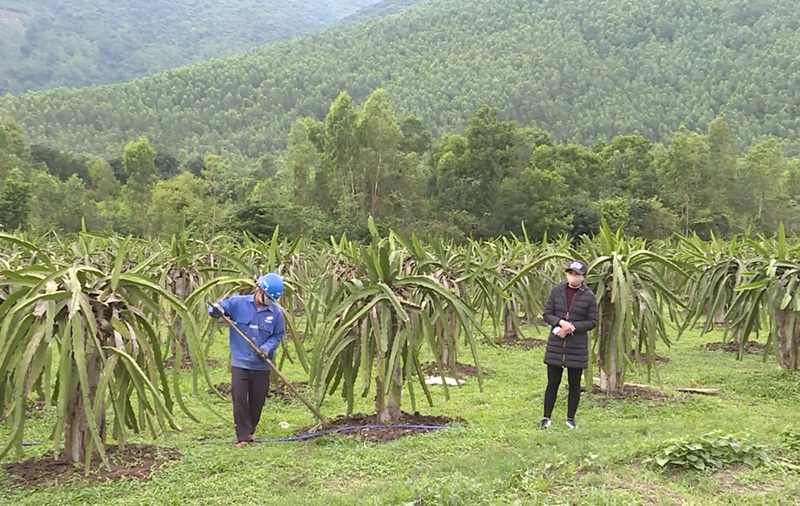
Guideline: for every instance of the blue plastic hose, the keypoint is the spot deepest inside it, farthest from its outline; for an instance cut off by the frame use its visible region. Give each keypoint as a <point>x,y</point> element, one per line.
<point>305,436</point>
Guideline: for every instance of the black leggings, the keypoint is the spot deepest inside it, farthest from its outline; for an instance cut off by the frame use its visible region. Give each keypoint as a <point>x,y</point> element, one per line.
<point>554,381</point>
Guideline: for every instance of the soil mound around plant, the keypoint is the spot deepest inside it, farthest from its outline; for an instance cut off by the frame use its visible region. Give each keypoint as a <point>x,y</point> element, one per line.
<point>629,393</point>
<point>463,370</point>
<point>186,363</point>
<point>527,344</point>
<point>383,434</point>
<point>751,348</point>
<point>281,392</point>
<point>134,462</point>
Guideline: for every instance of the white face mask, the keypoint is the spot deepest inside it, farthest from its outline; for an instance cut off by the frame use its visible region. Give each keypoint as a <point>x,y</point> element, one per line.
<point>263,299</point>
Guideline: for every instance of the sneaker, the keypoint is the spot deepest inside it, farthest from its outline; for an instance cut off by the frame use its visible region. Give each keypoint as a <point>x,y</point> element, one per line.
<point>545,423</point>
<point>571,423</point>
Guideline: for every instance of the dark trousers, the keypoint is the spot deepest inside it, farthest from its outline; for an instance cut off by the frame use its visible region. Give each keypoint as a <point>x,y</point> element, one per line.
<point>554,373</point>
<point>249,390</point>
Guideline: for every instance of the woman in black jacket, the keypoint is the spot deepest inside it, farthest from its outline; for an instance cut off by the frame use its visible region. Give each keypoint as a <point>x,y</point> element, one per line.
<point>572,311</point>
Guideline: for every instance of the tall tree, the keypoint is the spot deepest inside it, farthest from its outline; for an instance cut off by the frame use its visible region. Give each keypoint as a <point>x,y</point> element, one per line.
<point>761,178</point>
<point>684,172</point>
<point>102,179</point>
<point>302,161</point>
<point>340,154</point>
<point>379,136</point>
<point>533,199</point>
<point>415,139</point>
<point>630,164</point>
<point>138,160</point>
<point>14,148</point>
<point>221,182</point>
<point>14,201</point>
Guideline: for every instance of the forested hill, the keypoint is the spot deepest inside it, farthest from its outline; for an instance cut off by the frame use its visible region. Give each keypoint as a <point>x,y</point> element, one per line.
<point>579,68</point>
<point>379,10</point>
<point>50,43</point>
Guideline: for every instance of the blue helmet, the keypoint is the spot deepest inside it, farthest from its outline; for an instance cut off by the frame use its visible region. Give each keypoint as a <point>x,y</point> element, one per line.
<point>272,284</point>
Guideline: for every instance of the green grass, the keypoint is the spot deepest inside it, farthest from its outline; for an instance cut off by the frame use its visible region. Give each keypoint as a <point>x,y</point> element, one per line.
<point>498,457</point>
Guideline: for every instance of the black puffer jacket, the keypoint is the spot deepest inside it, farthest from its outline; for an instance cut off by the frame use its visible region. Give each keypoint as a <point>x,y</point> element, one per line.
<point>573,350</point>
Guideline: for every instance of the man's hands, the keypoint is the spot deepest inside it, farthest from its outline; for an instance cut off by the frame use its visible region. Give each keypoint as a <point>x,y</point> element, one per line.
<point>216,310</point>
<point>566,329</point>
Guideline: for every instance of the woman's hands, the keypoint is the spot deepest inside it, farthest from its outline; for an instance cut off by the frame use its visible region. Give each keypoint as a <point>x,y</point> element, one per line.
<point>566,329</point>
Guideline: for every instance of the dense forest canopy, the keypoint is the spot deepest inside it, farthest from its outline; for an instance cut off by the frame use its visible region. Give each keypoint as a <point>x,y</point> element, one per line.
<point>493,178</point>
<point>583,70</point>
<point>51,43</point>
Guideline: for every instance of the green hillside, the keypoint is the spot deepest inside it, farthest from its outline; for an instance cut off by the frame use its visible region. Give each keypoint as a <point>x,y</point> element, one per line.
<point>379,10</point>
<point>45,44</point>
<point>581,69</point>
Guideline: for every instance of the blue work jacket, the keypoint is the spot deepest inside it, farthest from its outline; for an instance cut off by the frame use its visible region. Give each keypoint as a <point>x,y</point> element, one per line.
<point>265,327</point>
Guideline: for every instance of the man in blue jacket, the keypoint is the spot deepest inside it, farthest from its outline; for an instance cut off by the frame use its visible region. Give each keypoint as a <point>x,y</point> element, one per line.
<point>260,318</point>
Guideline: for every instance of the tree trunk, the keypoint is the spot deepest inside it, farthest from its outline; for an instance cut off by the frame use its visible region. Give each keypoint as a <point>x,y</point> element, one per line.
<point>77,436</point>
<point>788,340</point>
<point>182,286</point>
<point>449,353</point>
<point>510,332</point>
<point>719,317</point>
<point>736,337</point>
<point>375,193</point>
<point>388,407</point>
<point>686,231</point>
<point>610,375</point>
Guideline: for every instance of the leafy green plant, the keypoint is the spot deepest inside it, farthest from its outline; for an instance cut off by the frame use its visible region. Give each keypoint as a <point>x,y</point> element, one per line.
<point>711,451</point>
<point>790,441</point>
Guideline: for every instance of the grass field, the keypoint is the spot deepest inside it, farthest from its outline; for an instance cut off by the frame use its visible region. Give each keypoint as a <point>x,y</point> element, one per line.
<point>498,457</point>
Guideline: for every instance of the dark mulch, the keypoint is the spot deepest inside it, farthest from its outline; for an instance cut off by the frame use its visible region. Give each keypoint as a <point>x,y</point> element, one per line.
<point>527,344</point>
<point>643,358</point>
<point>751,348</point>
<point>629,394</point>
<point>463,370</point>
<point>281,392</point>
<point>135,462</point>
<point>380,434</point>
<point>186,363</point>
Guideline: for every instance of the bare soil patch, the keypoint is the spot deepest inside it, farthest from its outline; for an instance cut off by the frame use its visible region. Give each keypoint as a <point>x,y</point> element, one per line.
<point>629,394</point>
<point>382,434</point>
<point>463,370</point>
<point>751,348</point>
<point>186,363</point>
<point>281,392</point>
<point>526,344</point>
<point>643,358</point>
<point>134,462</point>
